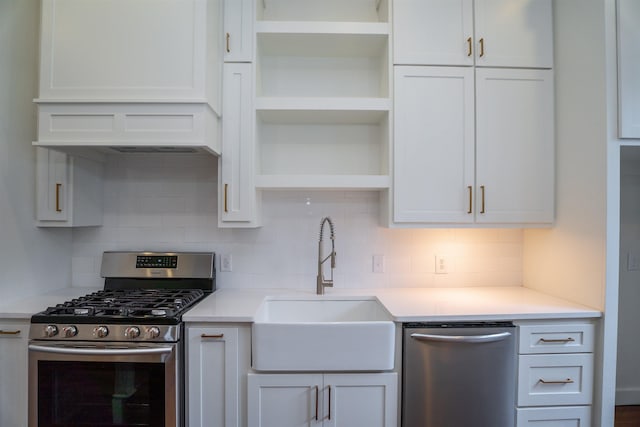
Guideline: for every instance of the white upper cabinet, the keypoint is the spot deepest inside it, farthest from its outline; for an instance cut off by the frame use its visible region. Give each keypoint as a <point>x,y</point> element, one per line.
<point>629,68</point>
<point>69,190</point>
<point>435,143</point>
<point>514,146</point>
<point>238,30</point>
<point>473,133</point>
<point>130,73</point>
<point>435,177</point>
<point>438,32</point>
<point>237,199</point>
<point>120,50</point>
<point>491,33</point>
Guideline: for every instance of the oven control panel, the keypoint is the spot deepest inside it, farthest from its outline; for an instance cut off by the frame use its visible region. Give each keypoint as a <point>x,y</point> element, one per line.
<point>157,261</point>
<point>113,332</point>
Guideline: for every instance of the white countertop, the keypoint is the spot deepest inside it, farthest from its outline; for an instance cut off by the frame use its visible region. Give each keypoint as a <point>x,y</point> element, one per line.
<point>406,304</point>
<point>403,304</point>
<point>24,308</point>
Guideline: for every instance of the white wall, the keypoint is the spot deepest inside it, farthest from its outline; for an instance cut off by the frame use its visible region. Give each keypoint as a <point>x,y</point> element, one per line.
<point>569,259</point>
<point>30,259</point>
<point>168,202</point>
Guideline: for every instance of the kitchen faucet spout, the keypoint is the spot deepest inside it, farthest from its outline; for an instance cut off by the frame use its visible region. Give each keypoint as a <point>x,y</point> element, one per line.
<point>321,283</point>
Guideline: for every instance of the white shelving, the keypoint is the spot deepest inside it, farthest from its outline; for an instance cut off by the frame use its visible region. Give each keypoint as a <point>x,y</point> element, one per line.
<point>322,94</point>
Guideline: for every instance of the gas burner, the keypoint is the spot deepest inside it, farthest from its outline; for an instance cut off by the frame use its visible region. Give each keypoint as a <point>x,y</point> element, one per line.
<point>124,306</point>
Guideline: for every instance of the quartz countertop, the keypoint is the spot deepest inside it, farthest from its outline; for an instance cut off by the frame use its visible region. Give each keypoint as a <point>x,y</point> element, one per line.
<point>24,308</point>
<point>405,304</point>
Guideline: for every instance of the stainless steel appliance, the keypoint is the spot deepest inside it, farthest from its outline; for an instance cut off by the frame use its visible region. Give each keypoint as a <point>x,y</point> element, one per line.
<point>459,375</point>
<point>115,357</point>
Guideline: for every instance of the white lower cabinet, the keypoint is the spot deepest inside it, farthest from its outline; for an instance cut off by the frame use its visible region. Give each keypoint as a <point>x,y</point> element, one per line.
<point>13,372</point>
<point>569,416</point>
<point>314,399</point>
<point>555,373</point>
<point>217,362</point>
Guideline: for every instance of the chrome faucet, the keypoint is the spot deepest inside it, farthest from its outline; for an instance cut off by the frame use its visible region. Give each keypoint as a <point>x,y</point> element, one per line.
<point>321,283</point>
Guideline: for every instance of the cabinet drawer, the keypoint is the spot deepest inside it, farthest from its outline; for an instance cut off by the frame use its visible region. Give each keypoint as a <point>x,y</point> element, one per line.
<point>570,416</point>
<point>555,379</point>
<point>556,338</point>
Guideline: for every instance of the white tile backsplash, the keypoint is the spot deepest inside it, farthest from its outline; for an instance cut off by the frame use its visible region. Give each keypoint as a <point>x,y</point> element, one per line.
<point>168,202</point>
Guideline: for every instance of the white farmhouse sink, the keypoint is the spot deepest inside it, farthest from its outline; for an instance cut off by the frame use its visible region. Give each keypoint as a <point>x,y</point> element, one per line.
<point>322,334</point>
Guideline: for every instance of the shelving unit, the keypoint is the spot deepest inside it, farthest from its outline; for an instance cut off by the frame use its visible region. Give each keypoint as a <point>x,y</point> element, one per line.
<point>322,101</point>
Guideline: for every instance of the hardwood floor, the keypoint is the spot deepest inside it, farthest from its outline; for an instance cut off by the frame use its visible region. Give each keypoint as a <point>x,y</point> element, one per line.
<point>627,416</point>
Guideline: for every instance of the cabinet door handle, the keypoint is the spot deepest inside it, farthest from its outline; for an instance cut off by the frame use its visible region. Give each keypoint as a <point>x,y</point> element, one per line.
<point>226,191</point>
<point>317,397</point>
<point>469,46</point>
<point>216,336</point>
<point>228,38</point>
<point>481,47</point>
<point>329,403</point>
<point>567,381</point>
<point>559,340</point>
<point>470,190</point>
<point>58,187</point>
<point>482,210</point>
<point>16,332</point>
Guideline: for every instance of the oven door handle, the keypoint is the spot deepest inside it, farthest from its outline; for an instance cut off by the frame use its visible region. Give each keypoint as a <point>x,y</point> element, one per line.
<point>101,351</point>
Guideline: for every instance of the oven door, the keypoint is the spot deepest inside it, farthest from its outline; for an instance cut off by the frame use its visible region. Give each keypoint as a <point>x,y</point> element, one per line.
<point>85,384</point>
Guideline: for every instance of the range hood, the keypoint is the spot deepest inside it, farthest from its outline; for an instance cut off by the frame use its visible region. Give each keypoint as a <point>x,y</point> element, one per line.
<point>86,128</point>
<point>121,77</point>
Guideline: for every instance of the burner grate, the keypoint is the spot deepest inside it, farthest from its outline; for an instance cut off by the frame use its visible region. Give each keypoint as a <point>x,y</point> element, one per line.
<point>125,304</point>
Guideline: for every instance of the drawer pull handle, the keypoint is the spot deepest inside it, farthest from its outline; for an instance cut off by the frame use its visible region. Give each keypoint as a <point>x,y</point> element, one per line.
<point>567,381</point>
<point>561,340</point>
<point>217,336</point>
<point>17,332</point>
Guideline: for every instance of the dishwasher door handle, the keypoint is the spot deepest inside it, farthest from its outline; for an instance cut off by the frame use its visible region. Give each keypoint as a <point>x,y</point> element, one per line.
<point>462,338</point>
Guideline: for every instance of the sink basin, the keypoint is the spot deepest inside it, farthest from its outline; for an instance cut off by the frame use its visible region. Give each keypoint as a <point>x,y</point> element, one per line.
<point>322,334</point>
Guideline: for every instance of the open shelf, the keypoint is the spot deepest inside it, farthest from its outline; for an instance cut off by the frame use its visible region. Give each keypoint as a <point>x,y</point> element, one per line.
<point>323,10</point>
<point>323,182</point>
<point>322,94</point>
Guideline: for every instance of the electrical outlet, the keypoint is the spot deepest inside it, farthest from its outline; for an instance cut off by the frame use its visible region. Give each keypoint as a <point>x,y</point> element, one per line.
<point>633,261</point>
<point>378,263</point>
<point>226,262</point>
<point>442,264</point>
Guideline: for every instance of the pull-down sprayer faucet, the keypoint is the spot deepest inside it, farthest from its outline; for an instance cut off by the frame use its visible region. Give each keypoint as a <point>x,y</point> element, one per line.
<point>321,283</point>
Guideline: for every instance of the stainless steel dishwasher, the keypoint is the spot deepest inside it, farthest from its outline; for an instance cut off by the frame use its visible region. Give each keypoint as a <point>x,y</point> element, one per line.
<point>459,375</point>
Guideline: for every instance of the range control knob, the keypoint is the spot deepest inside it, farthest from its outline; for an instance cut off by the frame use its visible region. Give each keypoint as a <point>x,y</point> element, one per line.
<point>132,332</point>
<point>69,331</point>
<point>100,331</point>
<point>50,331</point>
<point>153,332</point>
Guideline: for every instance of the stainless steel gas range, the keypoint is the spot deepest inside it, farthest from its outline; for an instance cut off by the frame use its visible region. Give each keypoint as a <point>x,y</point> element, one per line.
<point>116,357</point>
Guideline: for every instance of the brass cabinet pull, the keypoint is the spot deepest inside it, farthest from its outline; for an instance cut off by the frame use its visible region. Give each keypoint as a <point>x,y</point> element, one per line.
<point>470,190</point>
<point>17,332</point>
<point>481,47</point>
<point>469,46</point>
<point>217,336</point>
<point>317,397</point>
<point>58,186</point>
<point>561,340</point>
<point>482,210</point>
<point>329,403</point>
<point>567,381</point>
<point>226,190</point>
<point>228,47</point>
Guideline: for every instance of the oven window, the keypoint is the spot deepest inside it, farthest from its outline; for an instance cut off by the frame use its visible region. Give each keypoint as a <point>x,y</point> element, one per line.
<point>92,394</point>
